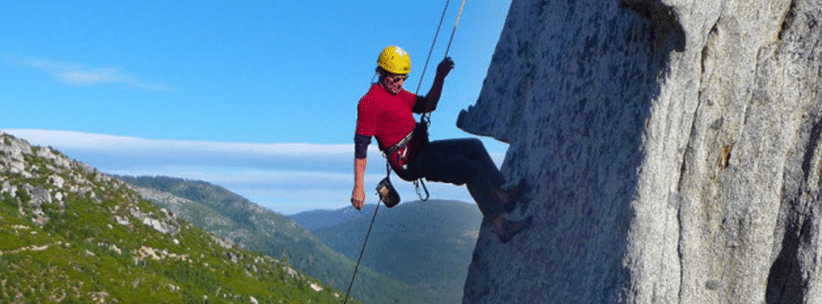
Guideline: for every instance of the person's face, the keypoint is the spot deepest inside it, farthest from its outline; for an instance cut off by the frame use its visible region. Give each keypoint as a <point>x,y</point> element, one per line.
<point>393,82</point>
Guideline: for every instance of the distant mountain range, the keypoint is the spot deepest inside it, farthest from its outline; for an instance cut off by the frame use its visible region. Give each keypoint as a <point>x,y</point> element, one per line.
<point>71,234</point>
<point>317,219</point>
<point>325,256</point>
<point>426,244</point>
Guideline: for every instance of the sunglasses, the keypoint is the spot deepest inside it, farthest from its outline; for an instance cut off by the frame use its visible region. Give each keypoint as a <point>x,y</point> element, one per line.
<point>396,77</point>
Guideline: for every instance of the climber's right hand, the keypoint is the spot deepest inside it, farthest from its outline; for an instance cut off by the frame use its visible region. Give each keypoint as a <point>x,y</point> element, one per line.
<point>358,197</point>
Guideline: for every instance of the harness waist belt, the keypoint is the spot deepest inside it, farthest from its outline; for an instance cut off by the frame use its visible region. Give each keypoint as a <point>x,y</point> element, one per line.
<point>404,141</point>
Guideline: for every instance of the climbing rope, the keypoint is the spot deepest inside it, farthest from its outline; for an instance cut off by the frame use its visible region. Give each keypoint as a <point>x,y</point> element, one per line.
<point>454,30</point>
<point>425,117</point>
<point>431,50</point>
<point>374,217</point>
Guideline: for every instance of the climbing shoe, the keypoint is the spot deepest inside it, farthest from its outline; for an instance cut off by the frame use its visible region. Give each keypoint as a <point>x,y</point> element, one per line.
<point>513,195</point>
<point>510,229</point>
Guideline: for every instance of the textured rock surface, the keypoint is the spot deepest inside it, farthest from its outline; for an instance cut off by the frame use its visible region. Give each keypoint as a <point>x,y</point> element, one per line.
<point>23,166</point>
<point>674,149</point>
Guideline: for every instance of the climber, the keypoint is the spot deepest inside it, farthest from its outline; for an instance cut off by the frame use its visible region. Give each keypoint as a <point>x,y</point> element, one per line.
<point>385,112</point>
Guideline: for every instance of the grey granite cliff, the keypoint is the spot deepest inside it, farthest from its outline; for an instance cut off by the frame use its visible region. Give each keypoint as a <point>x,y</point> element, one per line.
<point>673,148</point>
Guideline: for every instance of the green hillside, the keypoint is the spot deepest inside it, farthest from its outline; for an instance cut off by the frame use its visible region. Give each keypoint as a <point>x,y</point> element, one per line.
<point>231,216</point>
<point>70,234</point>
<point>425,244</point>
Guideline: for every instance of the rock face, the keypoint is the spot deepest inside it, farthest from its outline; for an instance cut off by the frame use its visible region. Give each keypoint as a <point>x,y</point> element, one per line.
<point>674,149</point>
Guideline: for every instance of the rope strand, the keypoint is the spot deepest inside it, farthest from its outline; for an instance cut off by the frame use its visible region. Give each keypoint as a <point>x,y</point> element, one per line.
<point>426,116</point>
<point>347,293</point>
<point>431,50</point>
<point>453,31</point>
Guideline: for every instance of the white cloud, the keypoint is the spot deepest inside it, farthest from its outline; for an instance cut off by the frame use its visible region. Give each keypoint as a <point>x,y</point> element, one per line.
<point>75,74</point>
<point>199,153</point>
<point>92,77</point>
<point>112,143</point>
<point>285,177</point>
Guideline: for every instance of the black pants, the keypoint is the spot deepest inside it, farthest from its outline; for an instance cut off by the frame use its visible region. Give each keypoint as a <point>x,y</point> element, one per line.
<point>461,161</point>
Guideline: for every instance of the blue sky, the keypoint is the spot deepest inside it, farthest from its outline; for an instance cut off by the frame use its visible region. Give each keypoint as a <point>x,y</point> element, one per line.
<point>256,96</point>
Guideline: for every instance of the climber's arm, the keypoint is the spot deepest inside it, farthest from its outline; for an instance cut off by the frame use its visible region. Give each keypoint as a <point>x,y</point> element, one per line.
<point>361,143</point>
<point>358,194</point>
<point>433,96</point>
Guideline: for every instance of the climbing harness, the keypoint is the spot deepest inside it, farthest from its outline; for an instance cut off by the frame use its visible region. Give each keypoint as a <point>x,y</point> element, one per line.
<point>388,195</point>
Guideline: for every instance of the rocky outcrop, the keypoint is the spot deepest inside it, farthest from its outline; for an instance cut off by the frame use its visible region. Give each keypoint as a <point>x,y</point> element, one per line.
<point>674,149</point>
<point>23,168</point>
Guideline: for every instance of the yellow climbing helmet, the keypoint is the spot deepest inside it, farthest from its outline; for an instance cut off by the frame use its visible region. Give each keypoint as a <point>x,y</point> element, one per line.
<point>395,60</point>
